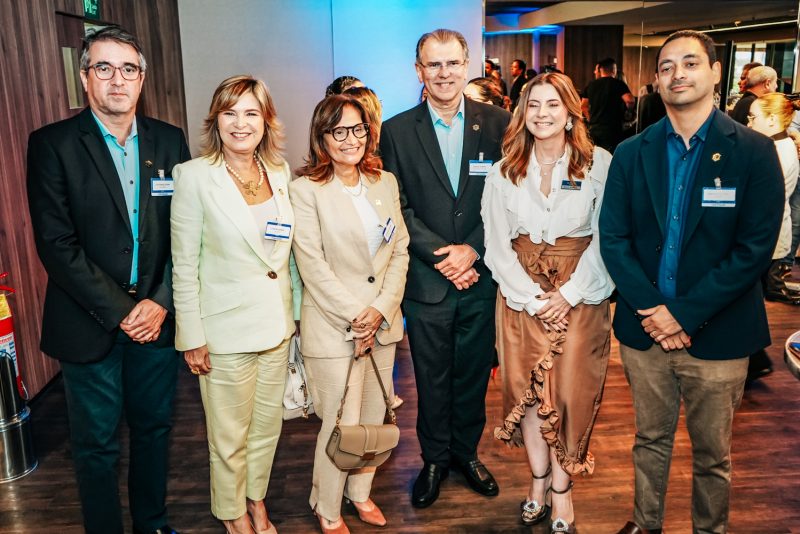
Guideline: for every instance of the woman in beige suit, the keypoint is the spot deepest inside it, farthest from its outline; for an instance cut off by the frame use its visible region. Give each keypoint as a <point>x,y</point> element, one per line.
<point>351,249</point>
<point>231,228</point>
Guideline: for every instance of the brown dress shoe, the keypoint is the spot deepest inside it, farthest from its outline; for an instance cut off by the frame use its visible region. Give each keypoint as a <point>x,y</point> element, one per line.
<point>632,528</point>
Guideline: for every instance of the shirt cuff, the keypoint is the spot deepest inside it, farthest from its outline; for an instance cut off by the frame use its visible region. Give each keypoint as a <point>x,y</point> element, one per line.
<point>570,293</point>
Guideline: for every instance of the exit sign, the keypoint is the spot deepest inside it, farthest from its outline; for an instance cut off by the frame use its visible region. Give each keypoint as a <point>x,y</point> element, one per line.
<point>91,9</point>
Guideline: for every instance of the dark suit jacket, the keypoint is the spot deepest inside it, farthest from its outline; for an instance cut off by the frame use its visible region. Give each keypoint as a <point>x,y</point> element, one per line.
<point>742,108</point>
<point>724,252</point>
<point>83,234</point>
<point>516,90</point>
<point>434,215</point>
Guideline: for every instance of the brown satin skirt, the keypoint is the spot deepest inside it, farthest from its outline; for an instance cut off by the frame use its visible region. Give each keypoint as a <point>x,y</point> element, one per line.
<point>561,375</point>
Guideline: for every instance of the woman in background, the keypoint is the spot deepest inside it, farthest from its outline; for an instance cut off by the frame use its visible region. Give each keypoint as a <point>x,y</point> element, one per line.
<point>484,90</point>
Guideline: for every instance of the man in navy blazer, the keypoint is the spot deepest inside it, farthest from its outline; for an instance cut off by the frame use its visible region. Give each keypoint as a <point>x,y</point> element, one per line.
<point>99,191</point>
<point>690,218</point>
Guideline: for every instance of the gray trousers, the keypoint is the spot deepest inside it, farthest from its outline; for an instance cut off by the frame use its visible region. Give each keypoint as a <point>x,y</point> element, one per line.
<point>711,391</point>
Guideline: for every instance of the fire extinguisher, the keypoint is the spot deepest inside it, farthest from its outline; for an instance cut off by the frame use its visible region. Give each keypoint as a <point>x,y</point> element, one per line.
<point>7,344</point>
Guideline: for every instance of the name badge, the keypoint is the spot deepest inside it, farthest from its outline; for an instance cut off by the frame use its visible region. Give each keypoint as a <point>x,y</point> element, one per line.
<point>161,187</point>
<point>388,230</point>
<point>569,186</point>
<point>479,167</point>
<point>719,197</point>
<point>278,231</point>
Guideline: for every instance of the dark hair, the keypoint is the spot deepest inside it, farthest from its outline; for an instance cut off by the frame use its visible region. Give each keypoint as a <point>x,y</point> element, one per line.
<point>111,33</point>
<point>530,74</point>
<point>340,85</point>
<point>318,163</point>
<point>607,65</point>
<point>705,40</point>
<point>521,64</point>
<point>488,90</point>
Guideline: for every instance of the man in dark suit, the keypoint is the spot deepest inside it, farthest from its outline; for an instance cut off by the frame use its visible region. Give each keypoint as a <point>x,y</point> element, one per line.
<point>517,70</point>
<point>685,232</point>
<point>440,152</point>
<point>99,196</point>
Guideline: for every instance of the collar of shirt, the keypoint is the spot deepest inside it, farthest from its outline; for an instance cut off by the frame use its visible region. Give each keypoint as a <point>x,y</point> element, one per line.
<point>438,120</point>
<point>107,134</point>
<point>700,134</point>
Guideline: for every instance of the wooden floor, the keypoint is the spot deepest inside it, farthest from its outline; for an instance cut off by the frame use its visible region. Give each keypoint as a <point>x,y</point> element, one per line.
<point>766,459</point>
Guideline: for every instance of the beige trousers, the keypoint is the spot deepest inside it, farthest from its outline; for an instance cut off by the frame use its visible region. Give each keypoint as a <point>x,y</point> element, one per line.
<point>243,401</point>
<point>364,404</point>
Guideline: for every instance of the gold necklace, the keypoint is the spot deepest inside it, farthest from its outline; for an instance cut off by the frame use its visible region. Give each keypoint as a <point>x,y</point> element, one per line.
<point>249,187</point>
<point>349,188</point>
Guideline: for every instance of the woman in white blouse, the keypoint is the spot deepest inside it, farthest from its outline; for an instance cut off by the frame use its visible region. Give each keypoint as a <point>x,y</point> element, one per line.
<point>351,248</point>
<point>540,209</point>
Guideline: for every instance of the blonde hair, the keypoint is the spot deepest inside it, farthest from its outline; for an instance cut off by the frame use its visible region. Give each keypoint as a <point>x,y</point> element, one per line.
<point>518,141</point>
<point>777,104</point>
<point>225,97</point>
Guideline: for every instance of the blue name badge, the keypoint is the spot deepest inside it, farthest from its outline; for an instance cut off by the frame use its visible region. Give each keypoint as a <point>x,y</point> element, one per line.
<point>161,187</point>
<point>388,230</point>
<point>569,186</point>
<point>479,167</point>
<point>278,231</point>
<point>719,197</point>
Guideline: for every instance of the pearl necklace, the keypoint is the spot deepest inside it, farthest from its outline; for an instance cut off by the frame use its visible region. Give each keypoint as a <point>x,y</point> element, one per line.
<point>249,187</point>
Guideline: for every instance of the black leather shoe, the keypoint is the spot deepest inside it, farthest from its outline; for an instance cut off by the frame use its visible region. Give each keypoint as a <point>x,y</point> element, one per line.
<point>166,529</point>
<point>784,295</point>
<point>633,528</point>
<point>426,487</point>
<point>479,478</point>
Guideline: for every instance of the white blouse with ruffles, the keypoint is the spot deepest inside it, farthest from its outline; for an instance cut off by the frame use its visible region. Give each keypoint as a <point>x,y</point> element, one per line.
<point>509,211</point>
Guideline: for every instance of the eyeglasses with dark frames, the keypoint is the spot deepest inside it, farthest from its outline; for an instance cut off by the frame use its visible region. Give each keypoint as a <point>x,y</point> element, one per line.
<point>340,133</point>
<point>105,71</point>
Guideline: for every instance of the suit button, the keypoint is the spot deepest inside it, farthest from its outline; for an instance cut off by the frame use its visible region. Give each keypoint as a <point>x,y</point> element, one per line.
<point>126,250</point>
<point>347,329</point>
<point>272,274</point>
<point>458,213</point>
<point>658,248</point>
<point>371,279</point>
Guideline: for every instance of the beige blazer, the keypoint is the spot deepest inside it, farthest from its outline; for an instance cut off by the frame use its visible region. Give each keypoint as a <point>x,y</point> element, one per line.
<point>228,294</point>
<point>340,277</point>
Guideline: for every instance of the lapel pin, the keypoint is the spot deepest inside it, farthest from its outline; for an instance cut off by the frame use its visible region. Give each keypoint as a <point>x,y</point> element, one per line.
<point>716,156</point>
<point>148,163</point>
<point>378,202</point>
<point>476,127</point>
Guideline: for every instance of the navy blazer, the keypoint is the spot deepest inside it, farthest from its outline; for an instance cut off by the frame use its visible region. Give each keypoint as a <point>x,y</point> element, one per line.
<point>84,238</point>
<point>724,252</point>
<point>436,217</point>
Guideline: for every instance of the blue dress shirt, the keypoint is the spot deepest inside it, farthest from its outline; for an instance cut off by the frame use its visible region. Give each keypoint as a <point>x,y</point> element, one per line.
<point>682,166</point>
<point>126,161</point>
<point>451,142</point>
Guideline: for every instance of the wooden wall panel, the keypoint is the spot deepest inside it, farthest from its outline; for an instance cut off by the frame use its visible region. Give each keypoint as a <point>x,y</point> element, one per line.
<point>32,94</point>
<point>508,48</point>
<point>584,46</point>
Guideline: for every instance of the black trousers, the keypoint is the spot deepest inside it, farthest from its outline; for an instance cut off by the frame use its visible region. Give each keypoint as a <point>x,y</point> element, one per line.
<point>452,347</point>
<point>141,380</point>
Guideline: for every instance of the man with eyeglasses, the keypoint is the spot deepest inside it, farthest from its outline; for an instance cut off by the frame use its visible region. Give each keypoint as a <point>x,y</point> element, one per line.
<point>440,152</point>
<point>99,192</point>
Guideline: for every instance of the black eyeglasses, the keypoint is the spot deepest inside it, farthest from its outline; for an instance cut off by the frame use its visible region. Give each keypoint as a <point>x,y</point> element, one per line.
<point>360,131</point>
<point>105,71</point>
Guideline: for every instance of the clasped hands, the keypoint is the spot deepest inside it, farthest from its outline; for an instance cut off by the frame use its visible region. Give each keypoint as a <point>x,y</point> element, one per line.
<point>143,322</point>
<point>554,313</point>
<point>364,328</point>
<point>664,329</point>
<point>457,266</point>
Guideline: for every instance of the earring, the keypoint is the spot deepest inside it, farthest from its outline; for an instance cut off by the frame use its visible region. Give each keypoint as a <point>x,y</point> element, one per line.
<point>568,127</point>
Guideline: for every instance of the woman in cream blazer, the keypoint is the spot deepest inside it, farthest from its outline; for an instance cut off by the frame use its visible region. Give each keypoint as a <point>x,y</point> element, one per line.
<point>351,249</point>
<point>232,224</point>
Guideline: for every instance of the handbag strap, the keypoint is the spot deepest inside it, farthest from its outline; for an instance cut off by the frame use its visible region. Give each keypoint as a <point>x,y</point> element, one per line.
<point>392,415</point>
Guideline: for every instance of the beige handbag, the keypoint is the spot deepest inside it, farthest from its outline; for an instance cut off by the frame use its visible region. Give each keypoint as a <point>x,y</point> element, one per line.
<point>356,446</point>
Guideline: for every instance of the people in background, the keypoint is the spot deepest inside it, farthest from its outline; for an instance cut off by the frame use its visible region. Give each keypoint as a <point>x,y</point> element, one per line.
<point>232,227</point>
<point>99,191</point>
<point>342,84</point>
<point>689,222</point>
<point>351,248</point>
<point>540,212</point>
<point>439,151</point>
<point>651,108</point>
<point>517,70</point>
<point>492,70</point>
<point>760,81</point>
<point>485,91</point>
<point>604,103</point>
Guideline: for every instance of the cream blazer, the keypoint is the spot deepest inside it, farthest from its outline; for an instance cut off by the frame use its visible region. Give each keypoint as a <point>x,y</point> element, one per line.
<point>228,293</point>
<point>340,278</point>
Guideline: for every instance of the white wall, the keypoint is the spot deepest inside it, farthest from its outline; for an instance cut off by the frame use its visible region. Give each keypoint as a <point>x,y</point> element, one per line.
<point>299,46</point>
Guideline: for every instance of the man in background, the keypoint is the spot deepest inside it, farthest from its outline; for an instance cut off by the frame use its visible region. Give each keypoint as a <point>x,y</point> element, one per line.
<point>517,70</point>
<point>604,102</point>
<point>759,81</point>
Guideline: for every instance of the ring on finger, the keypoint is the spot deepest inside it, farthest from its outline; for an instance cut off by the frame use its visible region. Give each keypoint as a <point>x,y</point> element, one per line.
<point>195,371</point>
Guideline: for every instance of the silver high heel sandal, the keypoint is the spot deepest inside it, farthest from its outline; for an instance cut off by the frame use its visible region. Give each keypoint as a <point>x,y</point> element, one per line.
<point>560,526</point>
<point>532,512</point>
